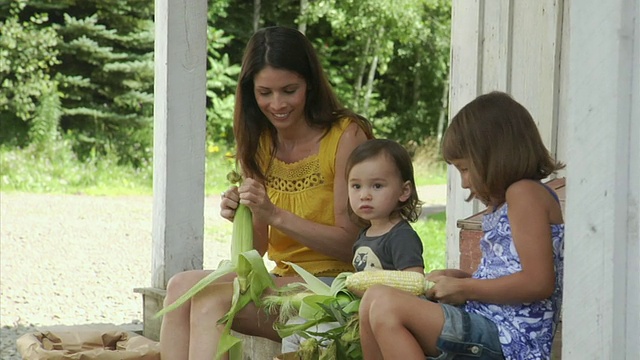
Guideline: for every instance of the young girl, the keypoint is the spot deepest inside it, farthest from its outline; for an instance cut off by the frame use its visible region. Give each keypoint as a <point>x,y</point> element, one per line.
<point>509,308</point>
<point>383,199</point>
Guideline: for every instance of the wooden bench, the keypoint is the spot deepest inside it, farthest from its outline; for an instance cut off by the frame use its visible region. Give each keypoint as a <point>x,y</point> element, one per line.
<point>470,254</point>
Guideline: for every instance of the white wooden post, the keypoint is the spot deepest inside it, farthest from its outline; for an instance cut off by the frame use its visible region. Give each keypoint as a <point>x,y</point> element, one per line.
<point>179,147</point>
<point>602,99</point>
<point>465,45</point>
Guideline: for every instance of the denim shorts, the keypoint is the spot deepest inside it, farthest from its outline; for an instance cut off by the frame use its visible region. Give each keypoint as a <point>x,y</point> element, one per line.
<point>467,336</point>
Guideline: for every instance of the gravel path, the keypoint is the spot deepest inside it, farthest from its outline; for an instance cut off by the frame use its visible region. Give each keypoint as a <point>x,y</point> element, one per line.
<point>75,259</point>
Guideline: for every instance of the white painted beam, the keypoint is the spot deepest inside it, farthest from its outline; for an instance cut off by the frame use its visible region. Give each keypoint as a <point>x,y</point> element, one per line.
<point>179,137</point>
<point>464,87</point>
<point>601,316</point>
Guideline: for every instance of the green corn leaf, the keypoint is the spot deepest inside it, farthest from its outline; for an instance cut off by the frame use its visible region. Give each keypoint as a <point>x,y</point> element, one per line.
<point>285,330</point>
<point>226,267</point>
<point>311,306</point>
<point>312,283</point>
<point>338,285</point>
<point>259,280</point>
<point>228,341</point>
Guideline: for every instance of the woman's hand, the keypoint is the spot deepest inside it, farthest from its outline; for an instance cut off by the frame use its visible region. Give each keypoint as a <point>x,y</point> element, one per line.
<point>254,195</point>
<point>229,203</point>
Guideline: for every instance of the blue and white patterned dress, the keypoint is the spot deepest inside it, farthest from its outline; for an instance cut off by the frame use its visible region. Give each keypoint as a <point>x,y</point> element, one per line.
<point>526,330</point>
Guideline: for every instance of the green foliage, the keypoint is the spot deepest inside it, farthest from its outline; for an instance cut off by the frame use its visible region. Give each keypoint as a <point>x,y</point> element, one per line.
<point>432,231</point>
<point>221,83</point>
<point>84,69</point>
<point>29,99</point>
<point>428,166</point>
<point>57,169</point>
<point>107,77</point>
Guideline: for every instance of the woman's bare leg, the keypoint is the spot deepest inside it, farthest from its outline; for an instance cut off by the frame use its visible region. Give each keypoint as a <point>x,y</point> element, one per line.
<point>174,332</point>
<point>213,303</point>
<point>207,308</point>
<point>399,325</point>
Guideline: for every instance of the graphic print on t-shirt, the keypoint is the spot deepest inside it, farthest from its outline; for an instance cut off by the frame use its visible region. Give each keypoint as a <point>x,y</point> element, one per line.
<point>366,259</point>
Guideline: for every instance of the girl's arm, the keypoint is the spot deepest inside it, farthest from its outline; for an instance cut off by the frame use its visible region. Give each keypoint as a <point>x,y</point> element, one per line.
<point>456,273</point>
<point>335,241</point>
<point>531,212</point>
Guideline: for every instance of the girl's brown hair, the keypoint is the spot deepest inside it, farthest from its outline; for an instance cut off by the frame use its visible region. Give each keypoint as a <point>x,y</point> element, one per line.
<point>409,209</point>
<point>286,49</point>
<point>499,138</point>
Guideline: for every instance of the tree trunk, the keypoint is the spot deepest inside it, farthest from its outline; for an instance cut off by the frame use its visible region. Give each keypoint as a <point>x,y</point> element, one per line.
<point>363,67</point>
<point>372,72</point>
<point>443,109</point>
<point>256,15</point>
<point>302,25</point>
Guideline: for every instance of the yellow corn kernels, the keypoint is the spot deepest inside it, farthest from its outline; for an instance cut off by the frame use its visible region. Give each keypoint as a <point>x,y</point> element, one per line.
<point>410,281</point>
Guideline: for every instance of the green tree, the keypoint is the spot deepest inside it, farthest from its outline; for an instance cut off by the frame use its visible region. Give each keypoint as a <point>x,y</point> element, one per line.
<point>29,99</point>
<point>221,77</point>
<point>103,72</point>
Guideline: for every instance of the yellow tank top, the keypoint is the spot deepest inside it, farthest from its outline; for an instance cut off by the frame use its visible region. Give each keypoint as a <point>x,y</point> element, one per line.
<point>304,188</point>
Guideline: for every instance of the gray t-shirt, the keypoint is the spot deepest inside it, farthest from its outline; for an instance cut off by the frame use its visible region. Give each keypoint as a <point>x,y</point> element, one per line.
<point>398,249</point>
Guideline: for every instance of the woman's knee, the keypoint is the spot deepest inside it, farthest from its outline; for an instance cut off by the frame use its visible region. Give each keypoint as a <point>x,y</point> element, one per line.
<point>180,283</point>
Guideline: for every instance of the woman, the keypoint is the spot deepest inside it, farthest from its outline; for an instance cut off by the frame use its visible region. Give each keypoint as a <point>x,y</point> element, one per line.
<point>293,139</point>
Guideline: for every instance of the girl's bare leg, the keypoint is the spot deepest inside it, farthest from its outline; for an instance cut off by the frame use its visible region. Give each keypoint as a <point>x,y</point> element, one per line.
<point>399,325</point>
<point>175,329</point>
<point>370,348</point>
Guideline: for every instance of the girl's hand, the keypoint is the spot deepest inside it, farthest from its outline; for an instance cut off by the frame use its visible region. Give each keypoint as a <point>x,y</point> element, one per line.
<point>254,195</point>
<point>446,289</point>
<point>229,203</point>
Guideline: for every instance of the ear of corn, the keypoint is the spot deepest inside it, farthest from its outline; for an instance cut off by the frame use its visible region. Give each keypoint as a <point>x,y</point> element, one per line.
<point>410,281</point>
<point>241,241</point>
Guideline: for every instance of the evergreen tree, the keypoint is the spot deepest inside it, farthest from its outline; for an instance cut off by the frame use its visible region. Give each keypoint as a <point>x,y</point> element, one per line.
<point>105,73</point>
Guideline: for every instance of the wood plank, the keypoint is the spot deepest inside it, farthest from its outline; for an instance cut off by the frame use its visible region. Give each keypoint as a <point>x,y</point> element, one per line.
<point>464,87</point>
<point>535,65</point>
<point>496,40</point>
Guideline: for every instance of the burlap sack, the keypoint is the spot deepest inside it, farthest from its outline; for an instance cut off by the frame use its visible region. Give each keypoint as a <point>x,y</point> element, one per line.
<point>84,343</point>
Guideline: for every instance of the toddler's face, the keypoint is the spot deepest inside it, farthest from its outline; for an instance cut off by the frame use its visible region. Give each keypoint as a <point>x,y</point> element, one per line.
<point>375,188</point>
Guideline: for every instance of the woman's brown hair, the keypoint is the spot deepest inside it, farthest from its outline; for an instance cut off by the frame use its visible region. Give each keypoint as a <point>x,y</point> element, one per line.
<point>286,49</point>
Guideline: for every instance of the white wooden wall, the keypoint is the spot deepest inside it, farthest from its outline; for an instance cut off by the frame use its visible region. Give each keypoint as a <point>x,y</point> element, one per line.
<point>575,66</point>
<point>511,46</point>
